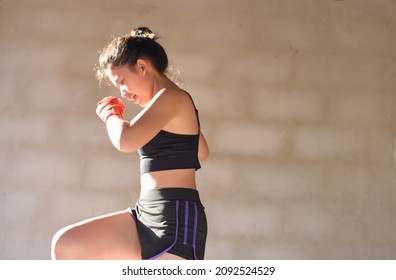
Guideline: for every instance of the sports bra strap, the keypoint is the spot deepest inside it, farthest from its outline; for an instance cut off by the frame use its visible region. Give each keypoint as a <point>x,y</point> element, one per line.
<point>196,111</point>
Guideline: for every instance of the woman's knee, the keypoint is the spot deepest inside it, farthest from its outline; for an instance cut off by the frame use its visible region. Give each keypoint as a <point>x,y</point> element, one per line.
<point>57,244</point>
<point>62,244</point>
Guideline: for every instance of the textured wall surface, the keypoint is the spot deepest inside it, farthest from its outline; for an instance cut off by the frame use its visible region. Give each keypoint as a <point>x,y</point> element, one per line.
<point>297,101</point>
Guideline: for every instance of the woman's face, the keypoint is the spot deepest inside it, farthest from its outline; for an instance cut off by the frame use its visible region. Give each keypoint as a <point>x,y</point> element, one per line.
<point>131,83</point>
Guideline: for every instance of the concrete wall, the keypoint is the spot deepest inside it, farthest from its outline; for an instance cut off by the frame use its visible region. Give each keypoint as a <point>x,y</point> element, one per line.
<point>297,100</point>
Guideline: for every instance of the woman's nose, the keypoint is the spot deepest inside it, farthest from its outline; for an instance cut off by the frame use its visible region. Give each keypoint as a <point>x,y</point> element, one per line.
<point>123,92</point>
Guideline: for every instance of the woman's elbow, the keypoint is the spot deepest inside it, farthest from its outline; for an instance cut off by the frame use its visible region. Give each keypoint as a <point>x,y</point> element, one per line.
<point>126,147</point>
<point>203,149</point>
<point>203,154</point>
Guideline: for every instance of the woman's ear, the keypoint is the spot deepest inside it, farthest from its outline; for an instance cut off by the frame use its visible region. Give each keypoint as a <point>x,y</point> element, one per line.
<point>141,66</point>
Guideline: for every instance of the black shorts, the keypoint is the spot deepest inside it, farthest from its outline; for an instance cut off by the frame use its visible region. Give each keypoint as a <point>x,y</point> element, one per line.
<point>171,220</point>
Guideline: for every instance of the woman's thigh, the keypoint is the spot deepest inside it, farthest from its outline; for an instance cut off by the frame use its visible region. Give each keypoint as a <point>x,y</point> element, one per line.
<point>169,256</point>
<point>112,236</point>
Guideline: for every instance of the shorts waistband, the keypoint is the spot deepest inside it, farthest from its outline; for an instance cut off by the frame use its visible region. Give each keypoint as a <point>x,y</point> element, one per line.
<point>170,194</point>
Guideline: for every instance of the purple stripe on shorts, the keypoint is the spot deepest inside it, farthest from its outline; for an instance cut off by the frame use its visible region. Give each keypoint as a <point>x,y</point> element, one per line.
<point>185,223</point>
<point>195,229</point>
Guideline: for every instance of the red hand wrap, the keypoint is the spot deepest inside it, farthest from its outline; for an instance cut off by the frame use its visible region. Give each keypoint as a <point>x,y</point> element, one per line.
<point>110,106</point>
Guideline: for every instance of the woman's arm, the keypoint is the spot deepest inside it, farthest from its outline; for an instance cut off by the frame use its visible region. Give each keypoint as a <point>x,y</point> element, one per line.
<point>116,127</point>
<point>203,149</point>
<point>130,136</point>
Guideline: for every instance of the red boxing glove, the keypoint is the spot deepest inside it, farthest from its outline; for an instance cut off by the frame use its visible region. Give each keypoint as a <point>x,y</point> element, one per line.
<point>110,106</point>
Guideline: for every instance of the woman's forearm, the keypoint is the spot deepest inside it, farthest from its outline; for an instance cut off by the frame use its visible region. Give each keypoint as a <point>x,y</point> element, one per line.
<point>116,129</point>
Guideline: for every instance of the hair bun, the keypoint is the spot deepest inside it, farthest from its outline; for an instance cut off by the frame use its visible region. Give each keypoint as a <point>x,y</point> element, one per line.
<point>143,32</point>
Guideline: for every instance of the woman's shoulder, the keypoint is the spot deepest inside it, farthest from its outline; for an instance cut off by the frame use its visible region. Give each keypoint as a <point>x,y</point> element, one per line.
<point>176,91</point>
<point>175,94</point>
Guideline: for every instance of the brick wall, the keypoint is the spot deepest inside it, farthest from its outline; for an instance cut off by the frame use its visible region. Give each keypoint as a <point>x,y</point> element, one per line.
<point>296,99</point>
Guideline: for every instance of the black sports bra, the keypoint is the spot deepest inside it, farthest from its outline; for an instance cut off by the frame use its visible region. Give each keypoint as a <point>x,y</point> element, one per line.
<point>168,151</point>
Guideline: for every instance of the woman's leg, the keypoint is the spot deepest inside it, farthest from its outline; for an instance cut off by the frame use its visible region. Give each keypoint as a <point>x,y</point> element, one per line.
<point>113,236</point>
<point>169,256</point>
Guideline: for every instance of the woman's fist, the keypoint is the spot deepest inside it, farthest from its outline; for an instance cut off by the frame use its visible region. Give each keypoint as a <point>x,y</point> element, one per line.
<point>110,106</point>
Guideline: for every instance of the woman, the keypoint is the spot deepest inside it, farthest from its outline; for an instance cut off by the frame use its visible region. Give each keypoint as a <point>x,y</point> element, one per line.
<point>168,221</point>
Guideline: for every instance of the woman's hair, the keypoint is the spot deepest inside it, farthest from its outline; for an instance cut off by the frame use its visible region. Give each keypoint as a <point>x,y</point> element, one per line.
<point>127,49</point>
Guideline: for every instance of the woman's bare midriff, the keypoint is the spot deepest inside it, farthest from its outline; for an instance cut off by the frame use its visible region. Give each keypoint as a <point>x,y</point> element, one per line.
<point>178,178</point>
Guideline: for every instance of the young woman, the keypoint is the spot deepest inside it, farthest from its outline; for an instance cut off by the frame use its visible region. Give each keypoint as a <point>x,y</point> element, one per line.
<point>168,221</point>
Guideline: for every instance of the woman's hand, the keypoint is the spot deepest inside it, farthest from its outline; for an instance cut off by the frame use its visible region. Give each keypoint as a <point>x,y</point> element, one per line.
<point>110,106</point>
